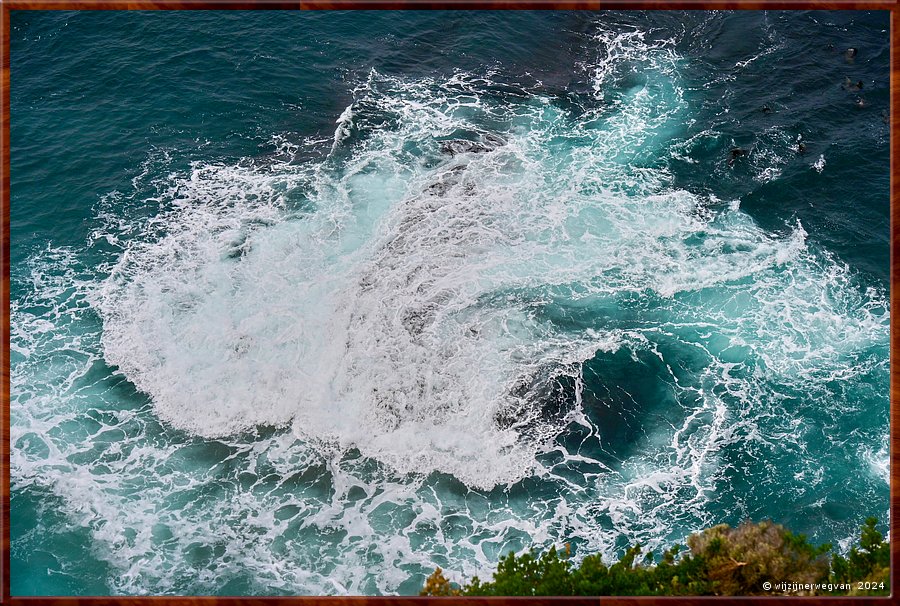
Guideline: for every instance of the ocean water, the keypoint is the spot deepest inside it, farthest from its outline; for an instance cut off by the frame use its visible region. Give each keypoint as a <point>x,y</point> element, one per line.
<point>312,303</point>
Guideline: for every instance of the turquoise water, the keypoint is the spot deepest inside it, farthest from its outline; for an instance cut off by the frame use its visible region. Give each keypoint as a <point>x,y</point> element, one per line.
<point>311,303</point>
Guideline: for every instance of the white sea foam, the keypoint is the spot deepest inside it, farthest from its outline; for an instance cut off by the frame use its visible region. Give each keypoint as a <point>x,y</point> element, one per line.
<point>819,164</point>
<point>360,323</point>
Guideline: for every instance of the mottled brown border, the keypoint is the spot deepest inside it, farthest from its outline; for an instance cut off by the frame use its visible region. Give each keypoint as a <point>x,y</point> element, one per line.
<point>8,5</point>
<point>448,4</point>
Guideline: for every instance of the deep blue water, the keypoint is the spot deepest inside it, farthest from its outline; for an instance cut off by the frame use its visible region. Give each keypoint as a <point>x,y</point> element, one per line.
<point>314,302</point>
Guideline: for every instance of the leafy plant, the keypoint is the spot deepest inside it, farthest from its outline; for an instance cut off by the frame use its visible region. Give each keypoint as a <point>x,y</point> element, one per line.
<point>870,563</point>
<point>752,559</point>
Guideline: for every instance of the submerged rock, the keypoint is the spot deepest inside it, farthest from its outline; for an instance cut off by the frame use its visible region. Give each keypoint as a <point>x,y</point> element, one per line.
<point>488,142</point>
<point>851,85</point>
<point>734,154</point>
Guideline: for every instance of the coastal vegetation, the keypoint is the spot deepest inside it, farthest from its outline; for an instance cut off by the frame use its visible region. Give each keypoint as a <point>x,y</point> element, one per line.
<point>752,559</point>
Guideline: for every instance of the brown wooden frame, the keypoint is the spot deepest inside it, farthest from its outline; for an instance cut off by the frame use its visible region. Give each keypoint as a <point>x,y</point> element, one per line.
<point>8,5</point>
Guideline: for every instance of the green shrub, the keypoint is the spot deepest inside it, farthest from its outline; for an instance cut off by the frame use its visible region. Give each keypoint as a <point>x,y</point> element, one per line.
<point>720,561</point>
<point>737,561</point>
<point>871,562</point>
